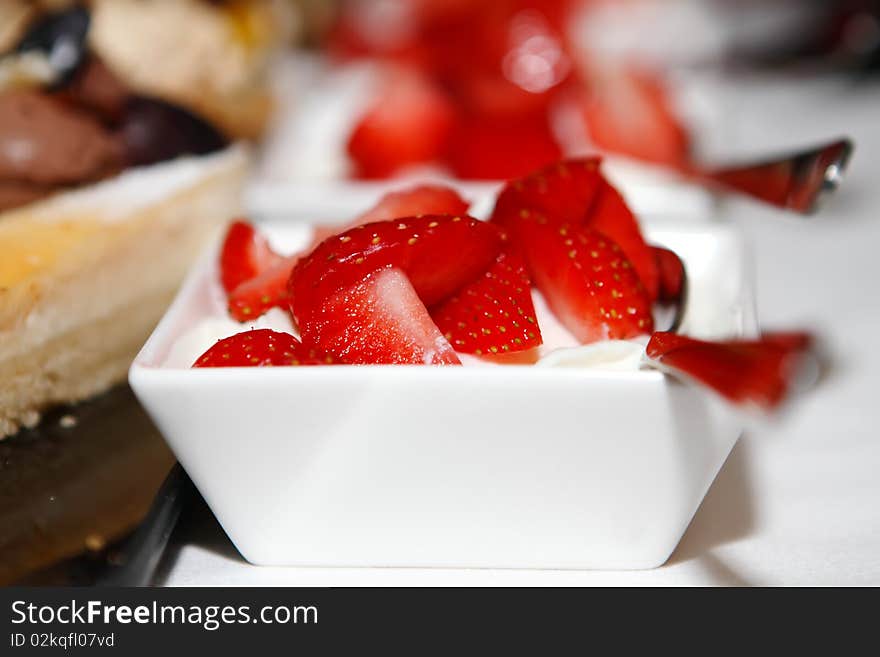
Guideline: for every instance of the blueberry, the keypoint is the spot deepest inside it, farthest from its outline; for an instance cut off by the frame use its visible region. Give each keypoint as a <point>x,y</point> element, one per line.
<point>62,37</point>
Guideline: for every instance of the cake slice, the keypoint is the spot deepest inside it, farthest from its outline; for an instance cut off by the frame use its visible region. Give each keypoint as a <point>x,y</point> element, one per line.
<point>85,275</point>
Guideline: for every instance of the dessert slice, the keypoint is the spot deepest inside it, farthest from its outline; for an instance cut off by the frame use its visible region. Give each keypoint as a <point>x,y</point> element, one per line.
<point>85,274</point>
<point>111,180</point>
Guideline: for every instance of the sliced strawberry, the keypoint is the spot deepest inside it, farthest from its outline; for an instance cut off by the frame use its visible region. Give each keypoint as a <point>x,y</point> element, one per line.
<point>611,216</point>
<point>439,254</point>
<point>494,148</point>
<point>408,202</point>
<point>522,60</point>
<point>564,192</point>
<point>268,290</point>
<point>453,38</point>
<point>245,255</point>
<point>261,348</point>
<point>494,313</point>
<point>672,276</point>
<point>493,95</point>
<point>408,125</point>
<point>413,201</point>
<point>753,372</point>
<point>378,320</point>
<point>588,282</point>
<point>630,112</point>
<point>575,192</point>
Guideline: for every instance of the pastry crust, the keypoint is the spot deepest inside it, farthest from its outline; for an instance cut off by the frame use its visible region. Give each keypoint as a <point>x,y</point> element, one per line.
<point>14,18</point>
<point>86,274</point>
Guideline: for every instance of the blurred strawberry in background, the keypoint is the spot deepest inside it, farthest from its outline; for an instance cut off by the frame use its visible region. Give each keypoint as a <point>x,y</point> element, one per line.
<point>409,123</point>
<point>630,112</point>
<point>481,89</point>
<point>507,86</point>
<point>490,80</point>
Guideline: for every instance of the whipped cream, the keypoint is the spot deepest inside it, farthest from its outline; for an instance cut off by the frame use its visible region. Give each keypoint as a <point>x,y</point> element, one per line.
<point>559,349</point>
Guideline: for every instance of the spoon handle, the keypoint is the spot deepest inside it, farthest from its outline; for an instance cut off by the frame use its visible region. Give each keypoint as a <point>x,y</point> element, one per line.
<point>795,182</point>
<point>139,557</point>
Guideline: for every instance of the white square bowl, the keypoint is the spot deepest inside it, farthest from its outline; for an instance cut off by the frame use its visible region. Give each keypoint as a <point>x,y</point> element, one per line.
<point>506,467</point>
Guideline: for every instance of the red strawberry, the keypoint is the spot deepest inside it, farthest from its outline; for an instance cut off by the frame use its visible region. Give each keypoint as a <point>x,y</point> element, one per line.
<point>752,372</point>
<point>588,282</point>
<point>563,192</point>
<point>575,192</point>
<point>268,290</point>
<point>611,216</point>
<point>378,320</point>
<point>244,255</point>
<point>409,202</point>
<point>413,201</point>
<point>514,60</point>
<point>408,125</point>
<point>439,254</point>
<point>672,276</point>
<point>630,112</point>
<point>260,348</point>
<point>493,95</point>
<point>495,148</point>
<point>494,313</point>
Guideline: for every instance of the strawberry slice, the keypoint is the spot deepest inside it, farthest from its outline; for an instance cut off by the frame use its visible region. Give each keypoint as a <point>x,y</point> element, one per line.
<point>267,290</point>
<point>494,313</point>
<point>671,274</point>
<point>576,193</point>
<point>408,125</point>
<point>378,320</point>
<point>588,282</point>
<point>759,373</point>
<point>564,191</point>
<point>245,254</point>
<point>630,112</point>
<point>501,148</point>
<point>413,201</point>
<point>439,254</point>
<point>409,202</point>
<point>612,217</point>
<point>260,348</point>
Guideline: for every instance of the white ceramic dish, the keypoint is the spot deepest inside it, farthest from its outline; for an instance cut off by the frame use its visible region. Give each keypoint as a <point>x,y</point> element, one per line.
<point>511,467</point>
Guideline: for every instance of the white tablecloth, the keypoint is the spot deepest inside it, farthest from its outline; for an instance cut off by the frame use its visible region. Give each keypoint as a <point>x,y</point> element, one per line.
<point>797,502</point>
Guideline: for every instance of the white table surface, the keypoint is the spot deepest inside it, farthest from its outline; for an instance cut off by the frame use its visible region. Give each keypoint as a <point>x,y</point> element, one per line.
<point>798,502</point>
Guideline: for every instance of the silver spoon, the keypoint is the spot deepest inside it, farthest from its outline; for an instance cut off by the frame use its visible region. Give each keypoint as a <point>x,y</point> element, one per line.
<point>795,181</point>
